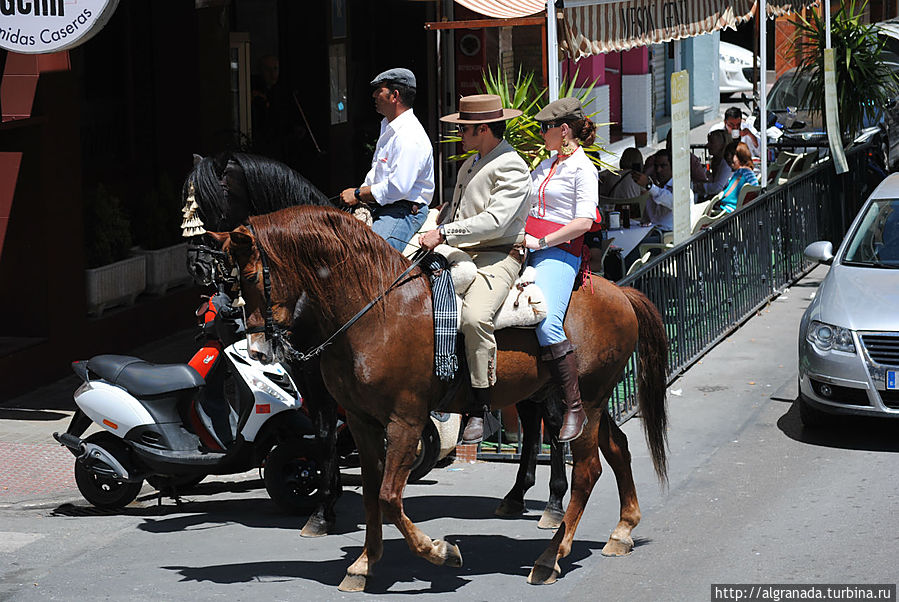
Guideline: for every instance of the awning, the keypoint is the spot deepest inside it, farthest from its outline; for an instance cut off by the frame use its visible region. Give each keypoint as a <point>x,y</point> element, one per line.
<point>505,9</point>
<point>610,26</point>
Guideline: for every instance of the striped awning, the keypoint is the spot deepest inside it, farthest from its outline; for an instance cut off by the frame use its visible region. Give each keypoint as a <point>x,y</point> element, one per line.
<point>611,26</point>
<point>505,9</point>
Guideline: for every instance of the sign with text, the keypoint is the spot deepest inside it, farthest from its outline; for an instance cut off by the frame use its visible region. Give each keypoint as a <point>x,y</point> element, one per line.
<point>831,115</point>
<point>680,153</point>
<point>44,26</point>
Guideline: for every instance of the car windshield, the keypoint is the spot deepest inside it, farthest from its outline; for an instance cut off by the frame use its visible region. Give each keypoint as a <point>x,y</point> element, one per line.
<point>876,241</point>
<point>787,91</point>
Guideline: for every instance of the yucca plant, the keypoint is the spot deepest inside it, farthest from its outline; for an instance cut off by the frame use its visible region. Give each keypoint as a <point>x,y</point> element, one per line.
<point>523,132</point>
<point>864,82</point>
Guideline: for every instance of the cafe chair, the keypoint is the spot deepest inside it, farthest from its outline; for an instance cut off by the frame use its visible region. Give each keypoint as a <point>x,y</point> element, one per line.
<point>648,248</point>
<point>639,263</point>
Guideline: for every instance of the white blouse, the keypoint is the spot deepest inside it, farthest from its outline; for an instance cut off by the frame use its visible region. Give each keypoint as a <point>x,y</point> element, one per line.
<point>563,191</point>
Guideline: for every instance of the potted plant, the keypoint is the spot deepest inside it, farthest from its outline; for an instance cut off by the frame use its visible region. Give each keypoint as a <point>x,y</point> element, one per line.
<point>156,225</point>
<point>112,277</point>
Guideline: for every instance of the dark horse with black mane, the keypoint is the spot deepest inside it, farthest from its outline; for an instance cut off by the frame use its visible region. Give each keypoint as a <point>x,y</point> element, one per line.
<point>228,188</point>
<point>323,265</point>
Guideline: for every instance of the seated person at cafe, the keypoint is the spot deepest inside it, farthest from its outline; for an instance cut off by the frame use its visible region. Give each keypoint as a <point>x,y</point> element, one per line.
<point>622,184</point>
<point>716,142</point>
<point>698,173</point>
<point>742,175</point>
<point>739,129</point>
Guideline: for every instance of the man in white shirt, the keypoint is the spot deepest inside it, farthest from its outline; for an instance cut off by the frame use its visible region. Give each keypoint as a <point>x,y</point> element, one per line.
<point>400,184</point>
<point>739,128</point>
<point>660,204</point>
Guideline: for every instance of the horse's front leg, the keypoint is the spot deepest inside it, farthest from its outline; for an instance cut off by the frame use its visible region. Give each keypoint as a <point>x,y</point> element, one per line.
<point>323,519</point>
<point>369,438</point>
<point>402,440</point>
<point>513,503</point>
<point>584,475</point>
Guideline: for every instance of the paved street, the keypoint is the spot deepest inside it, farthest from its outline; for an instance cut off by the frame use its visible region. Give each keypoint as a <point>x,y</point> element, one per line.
<point>753,498</point>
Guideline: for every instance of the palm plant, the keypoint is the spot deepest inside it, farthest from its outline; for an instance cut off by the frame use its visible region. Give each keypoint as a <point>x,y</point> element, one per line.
<point>523,132</point>
<point>864,82</point>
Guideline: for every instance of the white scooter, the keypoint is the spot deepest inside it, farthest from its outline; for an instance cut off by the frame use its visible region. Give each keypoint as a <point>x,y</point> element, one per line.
<point>173,424</point>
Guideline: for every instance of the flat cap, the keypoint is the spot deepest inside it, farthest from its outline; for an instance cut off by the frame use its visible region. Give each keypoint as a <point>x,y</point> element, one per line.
<point>397,75</point>
<point>564,109</point>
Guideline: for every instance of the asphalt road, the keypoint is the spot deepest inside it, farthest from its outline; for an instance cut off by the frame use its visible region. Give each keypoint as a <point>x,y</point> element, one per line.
<point>753,498</point>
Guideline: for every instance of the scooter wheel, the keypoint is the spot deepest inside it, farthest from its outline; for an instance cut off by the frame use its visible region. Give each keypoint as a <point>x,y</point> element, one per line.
<point>428,450</point>
<point>293,477</point>
<point>104,492</point>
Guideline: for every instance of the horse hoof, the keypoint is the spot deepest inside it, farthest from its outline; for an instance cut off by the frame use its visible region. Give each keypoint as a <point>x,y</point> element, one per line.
<point>352,583</point>
<point>508,508</point>
<point>314,528</point>
<point>550,520</point>
<point>543,575</point>
<point>449,553</point>
<point>618,547</point>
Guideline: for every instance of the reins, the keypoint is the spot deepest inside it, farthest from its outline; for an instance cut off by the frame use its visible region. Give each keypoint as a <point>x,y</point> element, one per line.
<point>278,334</point>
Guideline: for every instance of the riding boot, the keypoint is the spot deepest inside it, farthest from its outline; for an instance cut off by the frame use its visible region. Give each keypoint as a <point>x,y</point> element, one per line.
<point>563,367</point>
<point>474,430</point>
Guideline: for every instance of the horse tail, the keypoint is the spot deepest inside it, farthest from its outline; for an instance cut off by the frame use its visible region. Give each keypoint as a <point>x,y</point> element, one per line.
<point>652,374</point>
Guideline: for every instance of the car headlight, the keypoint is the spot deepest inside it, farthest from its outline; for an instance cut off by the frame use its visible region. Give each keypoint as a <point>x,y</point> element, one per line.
<point>828,337</point>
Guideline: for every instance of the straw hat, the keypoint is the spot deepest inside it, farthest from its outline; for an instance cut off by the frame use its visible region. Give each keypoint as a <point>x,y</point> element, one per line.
<point>481,108</point>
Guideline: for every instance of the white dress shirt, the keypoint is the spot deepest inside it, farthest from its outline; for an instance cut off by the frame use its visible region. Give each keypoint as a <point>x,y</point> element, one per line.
<point>402,167</point>
<point>572,191</point>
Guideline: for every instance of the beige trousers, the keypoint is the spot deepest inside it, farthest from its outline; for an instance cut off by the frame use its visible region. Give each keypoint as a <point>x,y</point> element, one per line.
<point>496,274</point>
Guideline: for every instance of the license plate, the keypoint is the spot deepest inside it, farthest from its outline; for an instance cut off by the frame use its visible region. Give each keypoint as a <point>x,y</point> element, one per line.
<point>891,380</point>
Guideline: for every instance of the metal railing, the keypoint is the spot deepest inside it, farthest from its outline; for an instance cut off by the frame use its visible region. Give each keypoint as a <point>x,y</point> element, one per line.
<point>711,283</point>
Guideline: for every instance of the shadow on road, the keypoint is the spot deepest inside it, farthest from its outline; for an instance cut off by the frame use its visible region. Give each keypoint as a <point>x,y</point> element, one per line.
<point>482,555</point>
<point>848,432</point>
<point>30,415</point>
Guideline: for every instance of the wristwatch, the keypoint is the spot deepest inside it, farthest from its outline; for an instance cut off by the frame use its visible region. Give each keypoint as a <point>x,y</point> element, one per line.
<point>358,194</point>
<point>442,232</point>
<point>542,243</point>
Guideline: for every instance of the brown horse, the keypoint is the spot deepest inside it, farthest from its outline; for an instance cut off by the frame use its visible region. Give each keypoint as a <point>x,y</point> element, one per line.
<point>325,265</point>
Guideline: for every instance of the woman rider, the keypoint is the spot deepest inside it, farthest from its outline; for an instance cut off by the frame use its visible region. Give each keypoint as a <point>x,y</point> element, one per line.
<point>564,194</point>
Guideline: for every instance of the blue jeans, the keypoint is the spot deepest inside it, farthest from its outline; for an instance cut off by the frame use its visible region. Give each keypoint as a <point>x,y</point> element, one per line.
<point>396,223</point>
<point>556,271</point>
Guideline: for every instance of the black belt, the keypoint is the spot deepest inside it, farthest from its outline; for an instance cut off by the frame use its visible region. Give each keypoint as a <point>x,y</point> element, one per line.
<point>414,207</point>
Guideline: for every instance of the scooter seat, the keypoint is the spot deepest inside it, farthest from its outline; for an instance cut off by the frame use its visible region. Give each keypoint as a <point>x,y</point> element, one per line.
<point>143,378</point>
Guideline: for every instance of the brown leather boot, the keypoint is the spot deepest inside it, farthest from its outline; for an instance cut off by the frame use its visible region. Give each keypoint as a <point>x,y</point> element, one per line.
<point>474,429</point>
<point>564,372</point>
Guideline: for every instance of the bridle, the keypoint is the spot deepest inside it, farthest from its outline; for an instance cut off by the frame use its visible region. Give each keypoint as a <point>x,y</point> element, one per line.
<point>280,336</point>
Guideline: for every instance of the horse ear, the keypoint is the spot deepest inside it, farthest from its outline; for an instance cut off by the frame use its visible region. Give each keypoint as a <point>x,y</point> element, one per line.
<point>220,237</point>
<point>197,159</point>
<point>241,237</point>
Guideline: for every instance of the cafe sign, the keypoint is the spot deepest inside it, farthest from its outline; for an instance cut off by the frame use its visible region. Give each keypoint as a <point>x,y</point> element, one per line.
<point>43,26</point>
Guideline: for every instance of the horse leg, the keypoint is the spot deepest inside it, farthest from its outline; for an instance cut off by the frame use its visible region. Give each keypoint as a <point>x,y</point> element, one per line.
<point>613,444</point>
<point>584,475</point>
<point>369,438</point>
<point>402,440</point>
<point>558,482</point>
<point>513,503</point>
<point>322,520</point>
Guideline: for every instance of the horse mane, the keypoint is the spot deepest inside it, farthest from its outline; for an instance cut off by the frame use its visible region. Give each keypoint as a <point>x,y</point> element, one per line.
<point>233,186</point>
<point>326,252</point>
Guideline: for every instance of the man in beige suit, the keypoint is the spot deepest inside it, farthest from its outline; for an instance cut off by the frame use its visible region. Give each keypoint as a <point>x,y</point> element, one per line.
<point>485,218</point>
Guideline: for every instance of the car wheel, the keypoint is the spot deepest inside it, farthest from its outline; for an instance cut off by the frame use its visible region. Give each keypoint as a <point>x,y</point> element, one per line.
<point>102,491</point>
<point>428,452</point>
<point>812,417</point>
<point>293,477</point>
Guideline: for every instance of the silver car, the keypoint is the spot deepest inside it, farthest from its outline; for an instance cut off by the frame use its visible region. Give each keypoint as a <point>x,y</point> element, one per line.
<point>849,335</point>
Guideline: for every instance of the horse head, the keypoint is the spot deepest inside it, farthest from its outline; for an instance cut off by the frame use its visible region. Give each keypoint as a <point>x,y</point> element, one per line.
<point>267,315</point>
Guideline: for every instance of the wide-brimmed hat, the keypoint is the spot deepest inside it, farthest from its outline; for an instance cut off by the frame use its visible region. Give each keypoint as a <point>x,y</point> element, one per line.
<point>480,108</point>
<point>564,109</point>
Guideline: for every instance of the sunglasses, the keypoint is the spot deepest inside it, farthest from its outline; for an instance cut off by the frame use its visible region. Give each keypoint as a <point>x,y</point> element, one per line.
<point>463,127</point>
<point>545,126</point>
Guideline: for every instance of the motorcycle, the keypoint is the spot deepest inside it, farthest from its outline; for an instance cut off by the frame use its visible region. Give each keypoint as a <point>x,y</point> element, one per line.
<point>174,424</point>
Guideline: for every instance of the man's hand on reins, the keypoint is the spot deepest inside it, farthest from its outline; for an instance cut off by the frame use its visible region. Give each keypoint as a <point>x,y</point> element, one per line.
<point>431,239</point>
